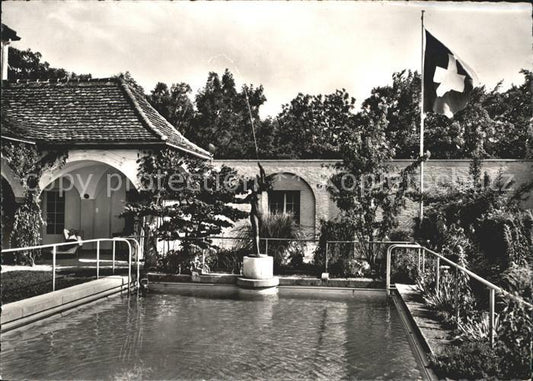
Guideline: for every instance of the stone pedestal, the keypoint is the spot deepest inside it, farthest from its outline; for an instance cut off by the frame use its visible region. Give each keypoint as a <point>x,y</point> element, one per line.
<point>258,272</point>
<point>258,267</point>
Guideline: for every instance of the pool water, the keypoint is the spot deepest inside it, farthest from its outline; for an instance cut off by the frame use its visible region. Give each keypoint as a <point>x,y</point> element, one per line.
<point>218,333</point>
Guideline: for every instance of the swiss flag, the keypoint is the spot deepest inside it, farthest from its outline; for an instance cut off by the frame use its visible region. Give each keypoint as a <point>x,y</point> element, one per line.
<point>448,81</point>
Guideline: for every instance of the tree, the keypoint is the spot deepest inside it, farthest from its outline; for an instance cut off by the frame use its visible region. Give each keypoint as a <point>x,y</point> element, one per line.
<point>365,191</point>
<point>223,116</point>
<point>512,112</point>
<point>494,123</point>
<point>190,198</point>
<point>25,64</point>
<point>267,134</point>
<point>310,126</point>
<point>467,135</point>
<point>401,102</point>
<point>174,104</point>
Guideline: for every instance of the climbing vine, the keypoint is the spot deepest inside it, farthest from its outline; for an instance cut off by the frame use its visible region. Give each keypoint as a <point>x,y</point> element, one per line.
<point>28,162</point>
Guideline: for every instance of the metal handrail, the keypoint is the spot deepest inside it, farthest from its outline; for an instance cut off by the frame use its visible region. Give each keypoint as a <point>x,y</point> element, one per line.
<point>491,286</point>
<point>265,239</point>
<point>357,241</point>
<point>54,247</point>
<point>234,238</point>
<point>137,260</point>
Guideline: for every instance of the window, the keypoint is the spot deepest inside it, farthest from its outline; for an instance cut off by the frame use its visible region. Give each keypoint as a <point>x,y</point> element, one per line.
<point>55,212</point>
<point>285,202</point>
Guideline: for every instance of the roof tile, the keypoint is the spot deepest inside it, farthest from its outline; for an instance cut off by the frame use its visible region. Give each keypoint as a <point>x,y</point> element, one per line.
<point>96,111</point>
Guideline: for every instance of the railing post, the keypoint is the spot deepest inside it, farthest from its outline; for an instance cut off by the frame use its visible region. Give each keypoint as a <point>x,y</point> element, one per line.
<point>266,246</point>
<point>423,260</point>
<point>137,257</point>
<point>388,269</point>
<point>492,294</point>
<point>437,276</point>
<point>97,259</point>
<point>114,246</point>
<point>456,295</point>
<point>419,259</point>
<point>129,269</point>
<point>54,252</point>
<point>326,261</point>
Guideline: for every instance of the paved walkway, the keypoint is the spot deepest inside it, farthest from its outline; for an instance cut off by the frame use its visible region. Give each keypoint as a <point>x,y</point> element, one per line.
<point>435,335</point>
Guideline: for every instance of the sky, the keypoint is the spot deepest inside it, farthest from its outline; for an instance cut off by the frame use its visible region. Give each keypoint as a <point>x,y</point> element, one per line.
<point>288,47</point>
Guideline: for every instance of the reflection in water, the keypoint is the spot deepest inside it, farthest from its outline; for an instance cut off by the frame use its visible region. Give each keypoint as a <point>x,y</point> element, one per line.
<point>217,333</point>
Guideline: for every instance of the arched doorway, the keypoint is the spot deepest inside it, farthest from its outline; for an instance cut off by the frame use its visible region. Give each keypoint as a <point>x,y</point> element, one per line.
<point>88,196</point>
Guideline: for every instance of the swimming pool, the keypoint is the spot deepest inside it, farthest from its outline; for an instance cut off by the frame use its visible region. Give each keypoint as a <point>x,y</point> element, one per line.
<point>218,333</point>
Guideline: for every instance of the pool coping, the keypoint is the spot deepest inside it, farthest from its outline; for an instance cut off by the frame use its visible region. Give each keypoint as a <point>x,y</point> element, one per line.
<point>216,278</point>
<point>26,311</point>
<point>435,336</point>
<point>418,342</point>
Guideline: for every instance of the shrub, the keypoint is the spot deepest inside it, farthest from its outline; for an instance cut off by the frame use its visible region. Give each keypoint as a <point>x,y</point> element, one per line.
<point>18,285</point>
<point>401,235</point>
<point>454,301</point>
<point>486,222</point>
<point>181,260</point>
<point>509,359</point>
<point>404,267</point>
<point>514,341</point>
<point>274,225</point>
<point>483,229</point>
<point>476,327</point>
<point>517,279</point>
<point>171,262</point>
<point>333,231</point>
<point>470,360</point>
<point>226,260</point>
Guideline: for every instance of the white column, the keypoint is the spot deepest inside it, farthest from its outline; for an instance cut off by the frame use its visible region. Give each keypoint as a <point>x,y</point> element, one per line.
<point>5,51</point>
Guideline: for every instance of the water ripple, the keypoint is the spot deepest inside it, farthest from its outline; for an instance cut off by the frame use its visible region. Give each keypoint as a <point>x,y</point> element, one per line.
<point>195,335</point>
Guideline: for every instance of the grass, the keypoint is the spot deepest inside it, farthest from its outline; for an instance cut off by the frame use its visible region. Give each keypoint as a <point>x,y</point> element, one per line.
<point>18,285</point>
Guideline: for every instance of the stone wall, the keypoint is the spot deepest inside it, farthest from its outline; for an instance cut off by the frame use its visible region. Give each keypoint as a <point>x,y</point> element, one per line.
<point>436,173</point>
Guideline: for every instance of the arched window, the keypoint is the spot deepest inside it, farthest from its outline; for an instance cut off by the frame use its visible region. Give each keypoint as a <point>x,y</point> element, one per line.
<point>285,202</point>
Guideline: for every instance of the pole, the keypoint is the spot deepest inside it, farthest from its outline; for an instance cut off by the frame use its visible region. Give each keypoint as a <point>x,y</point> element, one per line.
<point>252,123</point>
<point>114,247</point>
<point>97,259</point>
<point>326,261</point>
<point>492,294</point>
<point>422,117</point>
<point>54,252</point>
<point>437,276</point>
<point>129,269</point>
<point>387,272</point>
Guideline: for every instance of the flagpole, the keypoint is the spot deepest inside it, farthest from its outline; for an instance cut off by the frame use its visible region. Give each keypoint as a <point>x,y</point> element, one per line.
<point>422,117</point>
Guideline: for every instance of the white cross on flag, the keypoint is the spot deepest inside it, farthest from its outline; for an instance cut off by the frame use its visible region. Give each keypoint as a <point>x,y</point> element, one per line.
<point>447,80</point>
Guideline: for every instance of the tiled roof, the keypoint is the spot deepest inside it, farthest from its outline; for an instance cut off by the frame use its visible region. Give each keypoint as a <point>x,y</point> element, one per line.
<point>102,111</point>
<point>8,34</point>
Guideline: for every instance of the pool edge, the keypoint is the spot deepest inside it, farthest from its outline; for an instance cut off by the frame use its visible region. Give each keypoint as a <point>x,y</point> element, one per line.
<point>419,345</point>
<point>40,307</point>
